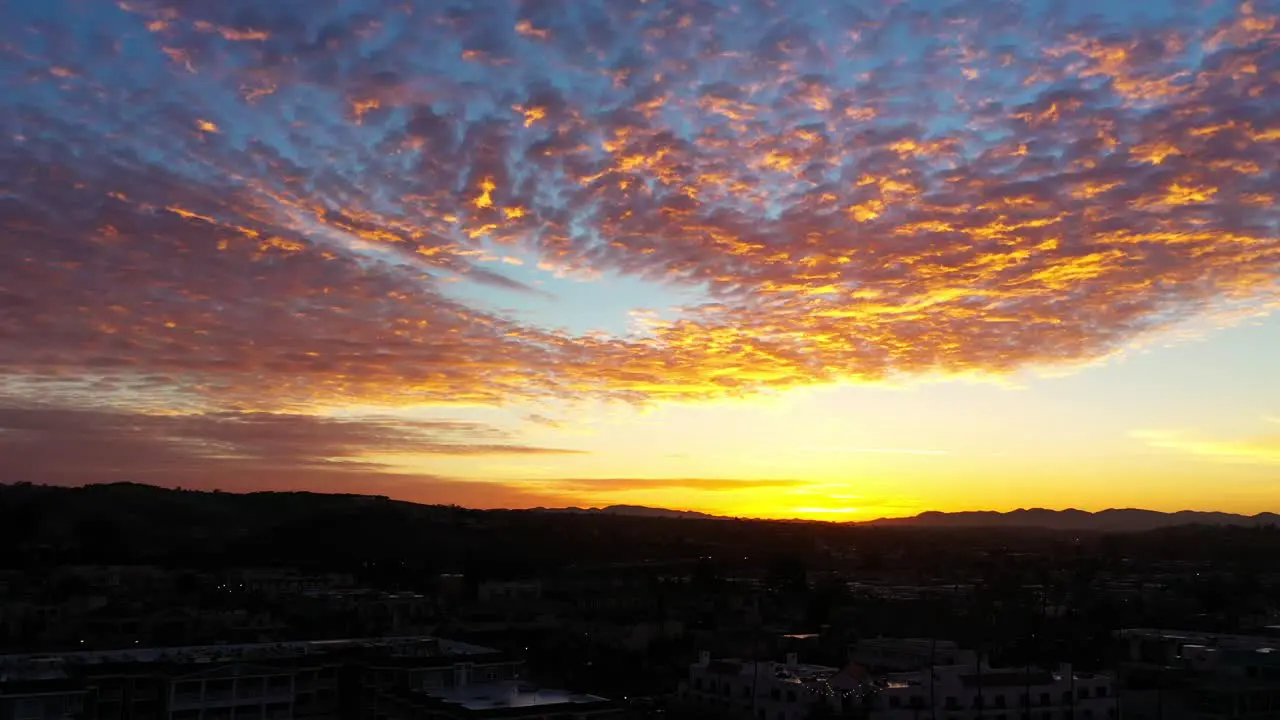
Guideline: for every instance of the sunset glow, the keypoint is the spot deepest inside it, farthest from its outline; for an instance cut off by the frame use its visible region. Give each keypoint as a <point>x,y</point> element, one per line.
<point>826,260</point>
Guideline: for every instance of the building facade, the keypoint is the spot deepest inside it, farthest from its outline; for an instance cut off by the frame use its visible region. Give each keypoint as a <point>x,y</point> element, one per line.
<point>365,679</point>
<point>980,692</point>
<point>765,690</point>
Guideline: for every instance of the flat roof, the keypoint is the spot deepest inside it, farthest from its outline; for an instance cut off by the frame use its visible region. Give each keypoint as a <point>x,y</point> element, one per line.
<point>489,696</point>
<point>244,651</point>
<point>1196,637</point>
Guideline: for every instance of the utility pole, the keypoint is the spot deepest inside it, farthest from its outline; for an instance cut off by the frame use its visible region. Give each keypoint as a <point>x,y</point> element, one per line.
<point>755,676</point>
<point>933,676</point>
<point>980,702</point>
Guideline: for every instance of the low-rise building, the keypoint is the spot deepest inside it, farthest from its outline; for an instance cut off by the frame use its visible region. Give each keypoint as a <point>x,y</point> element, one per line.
<point>766,690</point>
<point>356,678</point>
<point>509,699</point>
<point>1177,675</point>
<point>51,699</point>
<point>902,654</point>
<point>976,691</point>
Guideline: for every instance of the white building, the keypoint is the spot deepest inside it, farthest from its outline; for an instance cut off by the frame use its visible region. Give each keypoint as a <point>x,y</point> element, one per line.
<point>767,690</point>
<point>980,692</point>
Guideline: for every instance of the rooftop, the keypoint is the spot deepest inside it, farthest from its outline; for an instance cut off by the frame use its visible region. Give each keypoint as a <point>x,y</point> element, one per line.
<point>798,673</point>
<point>487,696</point>
<point>411,645</point>
<point>1200,638</point>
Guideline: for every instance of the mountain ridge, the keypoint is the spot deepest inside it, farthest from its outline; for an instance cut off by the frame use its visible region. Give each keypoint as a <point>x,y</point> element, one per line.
<point>1109,520</point>
<point>1067,519</point>
<point>634,511</point>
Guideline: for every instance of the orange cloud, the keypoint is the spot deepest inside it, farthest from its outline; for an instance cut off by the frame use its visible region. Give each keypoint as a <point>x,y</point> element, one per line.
<point>836,235</point>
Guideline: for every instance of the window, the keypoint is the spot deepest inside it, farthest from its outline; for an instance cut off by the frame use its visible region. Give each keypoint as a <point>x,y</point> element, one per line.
<point>1101,691</point>
<point>895,701</point>
<point>791,696</point>
<point>249,687</point>
<point>1044,699</point>
<point>1082,693</point>
<point>491,675</point>
<point>952,703</point>
<point>111,693</point>
<point>1066,697</point>
<point>279,683</point>
<point>1000,701</point>
<point>746,691</point>
<point>775,694</point>
<point>27,708</point>
<point>697,683</point>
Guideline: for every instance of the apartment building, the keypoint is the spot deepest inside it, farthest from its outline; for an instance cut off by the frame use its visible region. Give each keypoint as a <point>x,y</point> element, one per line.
<point>903,654</point>
<point>766,690</point>
<point>316,680</point>
<point>1179,675</point>
<point>52,699</point>
<point>511,699</point>
<point>364,678</point>
<point>976,691</point>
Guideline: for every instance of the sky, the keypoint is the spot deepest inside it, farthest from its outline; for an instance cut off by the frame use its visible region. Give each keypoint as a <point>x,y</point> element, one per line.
<point>813,259</point>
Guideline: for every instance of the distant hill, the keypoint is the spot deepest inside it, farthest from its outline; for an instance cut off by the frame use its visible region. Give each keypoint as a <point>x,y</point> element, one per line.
<point>634,511</point>
<point>1114,520</point>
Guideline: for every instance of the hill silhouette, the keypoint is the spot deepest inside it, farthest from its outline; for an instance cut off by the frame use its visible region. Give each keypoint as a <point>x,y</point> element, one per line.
<point>635,511</point>
<point>129,523</point>
<point>1112,520</point>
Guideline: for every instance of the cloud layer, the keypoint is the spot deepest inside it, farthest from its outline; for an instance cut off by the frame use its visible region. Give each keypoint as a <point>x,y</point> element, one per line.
<point>248,452</point>
<point>243,212</point>
<point>271,205</point>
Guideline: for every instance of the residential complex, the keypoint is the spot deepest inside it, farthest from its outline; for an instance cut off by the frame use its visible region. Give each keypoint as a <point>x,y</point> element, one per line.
<point>366,678</point>
<point>1172,675</point>
<point>792,690</point>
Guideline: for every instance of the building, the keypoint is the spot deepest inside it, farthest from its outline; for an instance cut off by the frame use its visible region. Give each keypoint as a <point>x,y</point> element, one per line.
<point>976,691</point>
<point>902,654</point>
<point>509,699</point>
<point>502,592</point>
<point>1176,675</point>
<point>765,690</point>
<point>52,699</point>
<point>318,680</point>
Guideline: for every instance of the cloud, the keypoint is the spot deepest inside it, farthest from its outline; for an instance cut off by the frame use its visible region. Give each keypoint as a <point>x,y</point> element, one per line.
<point>1262,450</point>
<point>253,208</point>
<point>247,451</point>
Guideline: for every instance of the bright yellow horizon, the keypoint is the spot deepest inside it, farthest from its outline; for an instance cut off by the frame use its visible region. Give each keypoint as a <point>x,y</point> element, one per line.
<point>1108,435</point>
